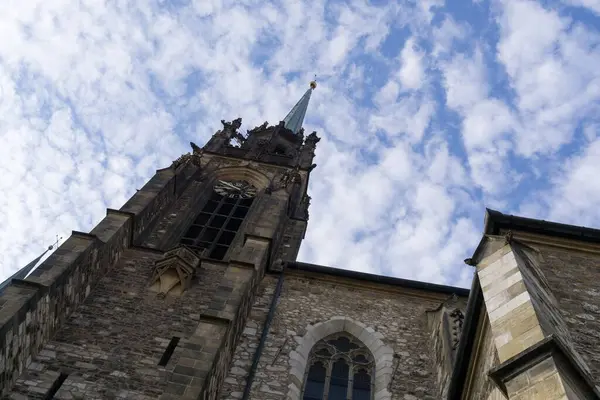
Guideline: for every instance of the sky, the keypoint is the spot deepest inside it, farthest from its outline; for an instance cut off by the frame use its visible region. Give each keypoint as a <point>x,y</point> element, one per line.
<point>429,112</point>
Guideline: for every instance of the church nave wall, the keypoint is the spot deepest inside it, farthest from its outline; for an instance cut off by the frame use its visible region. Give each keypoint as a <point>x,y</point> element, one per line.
<point>393,317</point>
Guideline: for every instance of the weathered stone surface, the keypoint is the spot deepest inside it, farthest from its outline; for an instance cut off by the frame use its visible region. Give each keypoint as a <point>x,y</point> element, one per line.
<point>88,311</point>
<point>482,386</point>
<point>398,319</point>
<point>113,341</point>
<point>572,277</point>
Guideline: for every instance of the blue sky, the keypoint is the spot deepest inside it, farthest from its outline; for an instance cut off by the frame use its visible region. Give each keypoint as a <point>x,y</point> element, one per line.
<point>430,111</point>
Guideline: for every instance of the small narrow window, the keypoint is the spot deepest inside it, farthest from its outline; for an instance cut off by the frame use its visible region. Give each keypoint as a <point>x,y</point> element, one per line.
<point>168,351</point>
<point>56,386</point>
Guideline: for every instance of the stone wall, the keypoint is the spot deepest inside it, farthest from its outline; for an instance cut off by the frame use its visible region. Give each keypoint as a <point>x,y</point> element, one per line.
<point>395,315</point>
<point>112,343</point>
<point>573,278</point>
<point>32,310</point>
<point>479,385</point>
<point>445,327</point>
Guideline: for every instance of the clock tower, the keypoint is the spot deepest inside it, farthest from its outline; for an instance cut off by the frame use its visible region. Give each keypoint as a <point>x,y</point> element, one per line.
<point>241,208</point>
<point>152,302</point>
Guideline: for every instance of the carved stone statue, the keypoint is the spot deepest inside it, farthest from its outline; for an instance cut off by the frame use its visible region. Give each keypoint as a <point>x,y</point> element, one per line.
<point>312,138</point>
<point>195,157</point>
<point>260,127</point>
<point>285,180</point>
<point>304,205</point>
<point>230,128</point>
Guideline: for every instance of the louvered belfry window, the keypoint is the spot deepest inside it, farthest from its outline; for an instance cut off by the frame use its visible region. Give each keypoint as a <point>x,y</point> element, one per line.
<point>339,368</point>
<point>215,227</point>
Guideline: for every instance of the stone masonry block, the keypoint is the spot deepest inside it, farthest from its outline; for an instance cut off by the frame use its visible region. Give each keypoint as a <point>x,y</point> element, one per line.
<point>494,257</point>
<point>496,271</point>
<point>509,306</point>
<point>502,285</point>
<point>503,297</point>
<point>520,343</point>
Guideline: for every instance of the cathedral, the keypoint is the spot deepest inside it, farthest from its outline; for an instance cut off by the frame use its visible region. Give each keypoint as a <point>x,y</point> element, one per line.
<point>191,290</point>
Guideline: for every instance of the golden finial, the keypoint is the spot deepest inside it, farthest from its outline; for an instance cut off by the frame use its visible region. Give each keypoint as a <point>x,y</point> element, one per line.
<point>313,83</point>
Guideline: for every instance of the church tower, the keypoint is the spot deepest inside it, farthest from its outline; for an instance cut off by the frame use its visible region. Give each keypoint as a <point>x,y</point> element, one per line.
<point>151,303</point>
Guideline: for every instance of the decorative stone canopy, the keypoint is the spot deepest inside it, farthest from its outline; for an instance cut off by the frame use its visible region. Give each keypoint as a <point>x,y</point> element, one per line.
<point>174,272</point>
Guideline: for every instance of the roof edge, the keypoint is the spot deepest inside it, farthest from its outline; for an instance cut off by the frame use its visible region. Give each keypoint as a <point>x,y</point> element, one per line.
<point>495,221</point>
<point>382,279</point>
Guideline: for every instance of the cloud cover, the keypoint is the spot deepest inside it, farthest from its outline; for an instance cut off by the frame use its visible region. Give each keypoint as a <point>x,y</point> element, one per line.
<point>429,112</point>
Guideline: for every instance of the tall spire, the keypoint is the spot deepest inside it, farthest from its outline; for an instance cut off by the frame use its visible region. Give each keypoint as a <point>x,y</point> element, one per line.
<point>293,121</point>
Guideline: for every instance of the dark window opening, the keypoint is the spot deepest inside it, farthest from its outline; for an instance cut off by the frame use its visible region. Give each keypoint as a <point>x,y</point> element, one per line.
<point>343,344</point>
<point>226,238</point>
<point>168,351</point>
<point>279,150</point>
<point>338,385</point>
<point>218,252</point>
<point>209,234</point>
<point>315,382</point>
<point>225,209</point>
<point>233,224</point>
<point>240,212</point>
<point>210,206</point>
<point>56,386</point>
<point>217,221</point>
<point>361,387</point>
<point>245,202</point>
<point>202,219</point>
<point>213,231</point>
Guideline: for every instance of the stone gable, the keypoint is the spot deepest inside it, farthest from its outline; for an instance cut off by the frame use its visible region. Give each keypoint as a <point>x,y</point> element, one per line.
<point>395,317</point>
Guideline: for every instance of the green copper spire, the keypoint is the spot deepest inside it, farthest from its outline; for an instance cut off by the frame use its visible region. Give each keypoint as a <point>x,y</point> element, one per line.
<point>293,121</point>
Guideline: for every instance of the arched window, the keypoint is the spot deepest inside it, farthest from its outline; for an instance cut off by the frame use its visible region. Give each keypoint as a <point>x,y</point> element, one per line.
<point>215,227</point>
<point>339,368</point>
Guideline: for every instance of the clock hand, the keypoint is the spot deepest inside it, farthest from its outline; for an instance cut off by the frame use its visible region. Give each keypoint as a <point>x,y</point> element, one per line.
<point>228,185</point>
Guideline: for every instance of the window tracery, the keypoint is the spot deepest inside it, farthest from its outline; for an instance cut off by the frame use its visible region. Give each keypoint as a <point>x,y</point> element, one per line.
<point>339,368</point>
<point>214,229</point>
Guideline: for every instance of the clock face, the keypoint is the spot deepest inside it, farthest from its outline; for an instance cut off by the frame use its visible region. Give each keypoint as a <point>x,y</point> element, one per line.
<point>235,189</point>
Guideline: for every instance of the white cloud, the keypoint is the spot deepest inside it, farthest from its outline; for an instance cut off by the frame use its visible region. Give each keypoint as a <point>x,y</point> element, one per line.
<point>551,65</point>
<point>95,97</point>
<point>411,72</point>
<point>593,5</point>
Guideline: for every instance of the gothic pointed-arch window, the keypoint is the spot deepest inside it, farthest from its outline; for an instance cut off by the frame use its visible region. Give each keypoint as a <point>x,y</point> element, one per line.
<point>339,368</point>
<point>214,229</point>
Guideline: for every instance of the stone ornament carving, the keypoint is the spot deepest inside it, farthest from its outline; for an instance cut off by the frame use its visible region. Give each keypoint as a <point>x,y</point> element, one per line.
<point>285,180</point>
<point>312,139</point>
<point>304,205</point>
<point>195,157</point>
<point>174,272</point>
<point>456,323</point>
<point>259,128</point>
<point>230,131</point>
